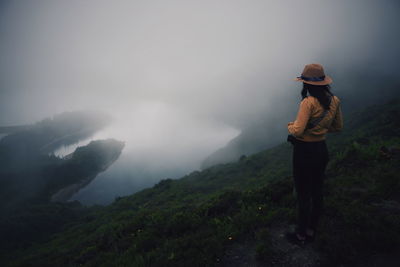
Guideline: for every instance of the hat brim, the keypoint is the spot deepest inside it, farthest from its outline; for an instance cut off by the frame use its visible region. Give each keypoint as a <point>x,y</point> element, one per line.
<point>326,81</point>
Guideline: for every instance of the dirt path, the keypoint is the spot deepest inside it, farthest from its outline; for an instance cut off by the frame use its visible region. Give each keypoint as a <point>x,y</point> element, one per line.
<point>285,254</point>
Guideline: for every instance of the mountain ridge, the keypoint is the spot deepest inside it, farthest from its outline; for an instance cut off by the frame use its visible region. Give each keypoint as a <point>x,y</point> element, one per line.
<point>196,219</point>
<point>259,135</point>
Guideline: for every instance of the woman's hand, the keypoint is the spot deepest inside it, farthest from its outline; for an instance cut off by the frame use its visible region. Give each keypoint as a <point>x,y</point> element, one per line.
<point>290,123</point>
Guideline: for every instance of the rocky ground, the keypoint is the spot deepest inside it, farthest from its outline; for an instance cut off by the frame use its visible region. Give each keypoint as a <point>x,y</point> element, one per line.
<point>283,253</point>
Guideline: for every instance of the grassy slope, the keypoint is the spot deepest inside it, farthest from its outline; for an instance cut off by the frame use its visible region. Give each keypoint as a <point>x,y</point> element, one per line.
<point>25,220</point>
<point>190,221</point>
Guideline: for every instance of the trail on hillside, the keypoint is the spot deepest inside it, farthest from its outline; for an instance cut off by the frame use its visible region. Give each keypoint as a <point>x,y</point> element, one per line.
<point>283,253</point>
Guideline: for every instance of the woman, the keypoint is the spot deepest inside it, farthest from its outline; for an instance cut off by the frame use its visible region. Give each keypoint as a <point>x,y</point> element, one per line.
<point>319,113</point>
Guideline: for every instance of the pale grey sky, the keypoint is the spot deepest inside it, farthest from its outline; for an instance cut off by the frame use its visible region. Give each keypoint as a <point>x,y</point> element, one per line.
<point>224,60</point>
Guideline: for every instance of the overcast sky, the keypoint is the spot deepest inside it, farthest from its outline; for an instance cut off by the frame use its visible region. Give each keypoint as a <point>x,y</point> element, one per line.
<point>224,60</point>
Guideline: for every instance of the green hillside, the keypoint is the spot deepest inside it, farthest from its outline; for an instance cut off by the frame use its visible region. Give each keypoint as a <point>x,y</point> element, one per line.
<point>193,220</point>
<point>32,199</point>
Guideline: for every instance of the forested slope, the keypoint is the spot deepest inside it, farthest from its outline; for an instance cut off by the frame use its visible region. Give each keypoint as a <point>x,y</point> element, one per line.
<point>193,220</point>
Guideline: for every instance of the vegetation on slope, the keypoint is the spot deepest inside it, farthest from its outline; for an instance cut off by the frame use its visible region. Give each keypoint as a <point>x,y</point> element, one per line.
<point>191,221</point>
<point>26,159</point>
<point>27,214</point>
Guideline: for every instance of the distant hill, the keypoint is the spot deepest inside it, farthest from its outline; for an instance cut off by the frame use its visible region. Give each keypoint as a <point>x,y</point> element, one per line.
<point>27,165</point>
<point>193,221</point>
<point>251,140</point>
<point>25,195</point>
<point>47,135</point>
<point>354,91</point>
<point>13,129</point>
<point>31,176</point>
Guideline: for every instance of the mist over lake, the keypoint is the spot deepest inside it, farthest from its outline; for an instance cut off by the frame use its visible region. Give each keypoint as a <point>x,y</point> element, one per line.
<point>147,158</point>
<point>183,79</point>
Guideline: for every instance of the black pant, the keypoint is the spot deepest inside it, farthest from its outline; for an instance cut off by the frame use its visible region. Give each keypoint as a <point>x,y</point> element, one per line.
<point>309,164</point>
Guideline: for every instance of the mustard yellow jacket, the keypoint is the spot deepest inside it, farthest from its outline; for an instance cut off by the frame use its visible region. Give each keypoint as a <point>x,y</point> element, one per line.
<point>311,108</point>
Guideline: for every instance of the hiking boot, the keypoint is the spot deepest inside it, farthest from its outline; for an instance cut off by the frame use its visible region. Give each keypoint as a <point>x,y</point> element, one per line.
<point>295,238</point>
<point>310,238</point>
<point>310,235</point>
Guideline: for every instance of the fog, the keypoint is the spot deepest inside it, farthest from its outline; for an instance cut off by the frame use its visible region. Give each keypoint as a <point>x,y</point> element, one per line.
<point>182,78</point>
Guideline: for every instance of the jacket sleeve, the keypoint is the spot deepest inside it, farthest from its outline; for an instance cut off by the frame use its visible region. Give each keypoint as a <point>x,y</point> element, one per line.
<point>298,126</point>
<point>337,123</point>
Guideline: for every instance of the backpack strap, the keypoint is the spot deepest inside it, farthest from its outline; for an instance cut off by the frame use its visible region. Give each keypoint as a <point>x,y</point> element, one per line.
<point>314,122</point>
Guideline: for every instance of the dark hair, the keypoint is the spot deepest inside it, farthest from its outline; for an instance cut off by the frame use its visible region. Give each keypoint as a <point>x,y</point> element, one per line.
<point>321,92</point>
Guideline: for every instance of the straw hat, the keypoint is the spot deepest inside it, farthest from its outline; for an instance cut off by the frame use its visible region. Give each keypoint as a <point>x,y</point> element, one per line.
<point>314,74</point>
